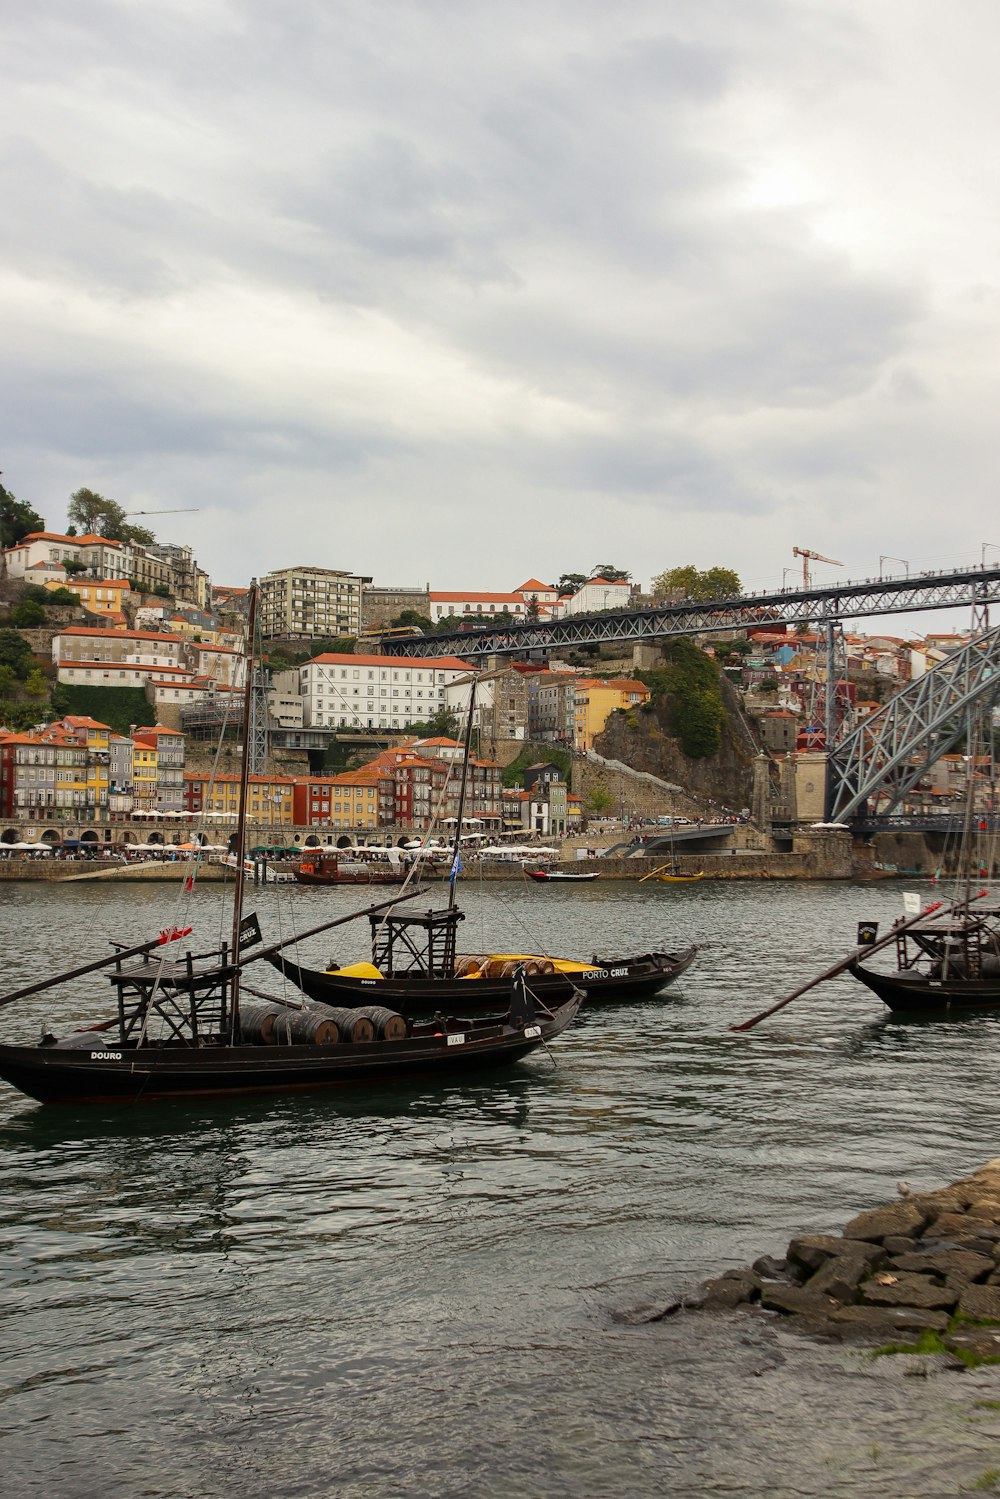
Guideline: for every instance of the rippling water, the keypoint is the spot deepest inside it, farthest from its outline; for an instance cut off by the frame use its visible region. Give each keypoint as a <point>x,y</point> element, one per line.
<point>420,1291</point>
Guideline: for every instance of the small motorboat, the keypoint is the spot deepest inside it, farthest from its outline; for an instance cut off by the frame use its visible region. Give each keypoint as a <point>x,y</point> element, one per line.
<point>562,877</point>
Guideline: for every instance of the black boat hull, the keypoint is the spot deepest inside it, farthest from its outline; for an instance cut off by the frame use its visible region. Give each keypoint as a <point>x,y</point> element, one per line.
<point>611,981</point>
<point>916,994</point>
<point>128,1075</point>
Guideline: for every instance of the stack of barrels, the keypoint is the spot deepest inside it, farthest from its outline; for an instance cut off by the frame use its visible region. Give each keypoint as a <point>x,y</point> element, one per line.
<point>317,1025</point>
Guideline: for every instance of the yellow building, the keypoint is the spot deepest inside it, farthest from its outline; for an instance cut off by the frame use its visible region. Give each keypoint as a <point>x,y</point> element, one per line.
<point>106,597</point>
<point>270,798</point>
<point>88,785</point>
<point>594,702</point>
<point>145,775</point>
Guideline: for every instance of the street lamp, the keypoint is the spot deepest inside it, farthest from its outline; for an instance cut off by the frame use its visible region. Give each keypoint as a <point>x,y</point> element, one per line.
<point>784,574</point>
<point>984,549</point>
<point>887,558</point>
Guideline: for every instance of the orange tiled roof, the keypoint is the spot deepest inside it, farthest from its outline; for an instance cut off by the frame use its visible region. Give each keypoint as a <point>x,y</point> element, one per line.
<point>330,658</point>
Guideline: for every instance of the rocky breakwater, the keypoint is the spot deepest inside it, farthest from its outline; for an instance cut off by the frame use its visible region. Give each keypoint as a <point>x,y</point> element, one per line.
<point>924,1267</point>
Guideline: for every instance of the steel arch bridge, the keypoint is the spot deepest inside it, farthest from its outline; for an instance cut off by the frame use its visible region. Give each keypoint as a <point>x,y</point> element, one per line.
<point>888,752</point>
<point>973,587</point>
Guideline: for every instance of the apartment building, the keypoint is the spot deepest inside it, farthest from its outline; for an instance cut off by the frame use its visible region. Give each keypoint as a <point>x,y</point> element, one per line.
<point>307,603</point>
<point>374,692</point>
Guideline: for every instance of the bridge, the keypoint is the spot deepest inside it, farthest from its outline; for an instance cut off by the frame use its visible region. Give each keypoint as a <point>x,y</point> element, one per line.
<point>971,588</point>
<point>886,754</point>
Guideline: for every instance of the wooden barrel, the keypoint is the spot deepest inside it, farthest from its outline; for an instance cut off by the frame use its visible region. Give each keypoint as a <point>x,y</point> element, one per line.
<point>306,1028</point>
<point>389,1026</point>
<point>467,965</point>
<point>352,1025</point>
<point>546,965</point>
<point>257,1023</point>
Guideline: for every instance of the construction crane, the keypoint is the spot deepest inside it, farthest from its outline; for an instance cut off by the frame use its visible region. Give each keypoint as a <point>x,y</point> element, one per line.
<point>808,556</point>
<point>189,510</point>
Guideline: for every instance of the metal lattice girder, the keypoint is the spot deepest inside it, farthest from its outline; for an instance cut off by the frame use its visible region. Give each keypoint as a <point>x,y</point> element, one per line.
<point>970,588</point>
<point>257,752</point>
<point>890,750</point>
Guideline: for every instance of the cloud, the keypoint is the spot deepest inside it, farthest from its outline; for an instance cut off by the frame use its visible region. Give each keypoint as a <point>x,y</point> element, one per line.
<point>496,275</point>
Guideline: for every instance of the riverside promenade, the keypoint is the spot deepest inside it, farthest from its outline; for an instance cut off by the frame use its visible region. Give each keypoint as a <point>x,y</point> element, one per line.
<point>823,855</point>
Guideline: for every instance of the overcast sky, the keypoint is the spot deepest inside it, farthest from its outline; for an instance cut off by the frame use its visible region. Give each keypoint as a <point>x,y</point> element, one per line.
<point>463,292</point>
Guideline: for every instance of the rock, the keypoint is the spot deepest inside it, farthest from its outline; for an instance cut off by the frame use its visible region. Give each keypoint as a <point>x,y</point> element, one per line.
<point>952,1226</point>
<point>747,1275</point>
<point>778,1297</point>
<point>899,1244</point>
<point>727,1292</point>
<point>813,1250</point>
<point>953,1199</point>
<point>840,1276</point>
<point>770,1268</point>
<point>878,1223</point>
<point>981,1302</point>
<point>984,1342</point>
<point>882,1319</point>
<point>907,1289</point>
<point>949,1262</point>
<point>976,1246</point>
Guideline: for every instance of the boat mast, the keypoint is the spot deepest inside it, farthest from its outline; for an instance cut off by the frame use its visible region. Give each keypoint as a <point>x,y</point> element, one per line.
<point>241,810</point>
<point>456,851</point>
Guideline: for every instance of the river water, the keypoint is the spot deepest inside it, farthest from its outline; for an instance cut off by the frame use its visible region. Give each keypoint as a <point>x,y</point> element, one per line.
<point>428,1291</point>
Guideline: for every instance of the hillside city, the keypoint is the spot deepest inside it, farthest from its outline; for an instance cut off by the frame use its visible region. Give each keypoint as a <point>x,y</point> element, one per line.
<point>121,660</point>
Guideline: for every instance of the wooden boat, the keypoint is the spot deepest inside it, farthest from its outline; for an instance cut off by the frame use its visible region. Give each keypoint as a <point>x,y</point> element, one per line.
<point>90,1068</point>
<point>349,866</point>
<point>667,874</point>
<point>946,963</point>
<point>947,958</point>
<point>184,1028</point>
<point>416,969</point>
<point>562,877</point>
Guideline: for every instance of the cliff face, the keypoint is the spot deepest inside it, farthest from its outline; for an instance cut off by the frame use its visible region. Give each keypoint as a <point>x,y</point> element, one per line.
<point>641,740</point>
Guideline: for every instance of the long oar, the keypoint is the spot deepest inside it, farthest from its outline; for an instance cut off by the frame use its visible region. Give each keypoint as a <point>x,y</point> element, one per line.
<point>844,963</point>
<point>652,873</point>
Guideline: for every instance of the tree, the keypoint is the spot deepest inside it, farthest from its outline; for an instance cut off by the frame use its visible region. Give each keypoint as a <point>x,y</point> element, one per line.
<point>17,520</point>
<point>97,515</point>
<point>570,582</point>
<point>443,725</point>
<point>27,616</point>
<point>15,652</point>
<point>412,618</point>
<point>608,571</point>
<point>533,611</point>
<point>688,583</point>
<point>599,800</point>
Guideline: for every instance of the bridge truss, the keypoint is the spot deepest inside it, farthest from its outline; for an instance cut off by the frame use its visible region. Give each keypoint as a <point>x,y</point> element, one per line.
<point>973,588</point>
<point>889,751</point>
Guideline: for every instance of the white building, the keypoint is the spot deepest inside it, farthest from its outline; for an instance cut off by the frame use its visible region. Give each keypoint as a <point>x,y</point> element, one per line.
<point>102,558</point>
<point>597,594</point>
<point>374,692</point>
<point>466,604</point>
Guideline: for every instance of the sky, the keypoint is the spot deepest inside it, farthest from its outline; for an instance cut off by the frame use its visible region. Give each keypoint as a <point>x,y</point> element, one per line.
<point>466,293</point>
